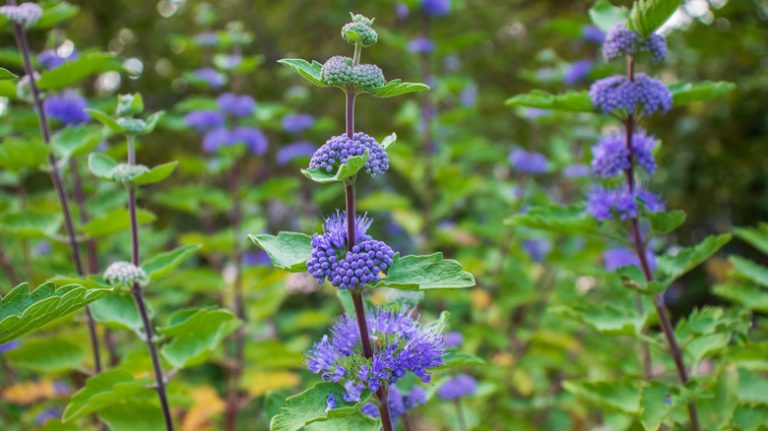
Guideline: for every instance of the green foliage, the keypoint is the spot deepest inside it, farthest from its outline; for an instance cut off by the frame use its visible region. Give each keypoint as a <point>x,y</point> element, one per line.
<point>673,267</point>
<point>104,167</point>
<point>5,75</point>
<point>195,334</point>
<point>118,310</point>
<point>648,15</point>
<point>750,270</point>
<point>17,154</point>
<point>606,318</point>
<point>48,355</point>
<point>572,101</point>
<point>31,224</point>
<point>305,69</point>
<point>683,93</point>
<point>605,15</point>
<point>425,273</point>
<point>664,222</point>
<point>104,390</point>
<point>288,250</point>
<point>74,71</point>
<point>309,407</point>
<point>162,264</point>
<point>115,221</point>
<point>622,395</point>
<point>343,172</point>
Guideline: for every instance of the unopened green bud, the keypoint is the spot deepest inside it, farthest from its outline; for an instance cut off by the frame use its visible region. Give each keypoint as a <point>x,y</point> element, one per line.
<point>359,31</point>
<point>337,71</point>
<point>367,76</point>
<point>125,274</point>
<point>129,104</point>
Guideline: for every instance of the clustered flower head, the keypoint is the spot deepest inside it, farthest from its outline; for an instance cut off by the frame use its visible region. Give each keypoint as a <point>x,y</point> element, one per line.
<point>604,203</point>
<point>400,345</point>
<point>124,274</point>
<point>619,94</point>
<point>337,151</point>
<point>67,107</point>
<point>213,123</point>
<point>236,105</point>
<point>360,31</point>
<point>421,45</point>
<point>399,404</point>
<point>611,156</point>
<point>25,14</point>
<point>294,150</point>
<point>347,268</point>
<point>620,42</point>
<point>340,71</point>
<point>529,162</point>
<point>459,386</point>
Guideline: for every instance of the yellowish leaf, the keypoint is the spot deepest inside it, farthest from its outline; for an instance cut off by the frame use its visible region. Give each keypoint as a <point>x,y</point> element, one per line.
<point>26,393</point>
<point>207,404</point>
<point>260,382</point>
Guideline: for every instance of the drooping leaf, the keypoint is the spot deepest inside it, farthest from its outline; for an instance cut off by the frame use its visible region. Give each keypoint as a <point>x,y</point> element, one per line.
<point>155,174</point>
<point>572,101</point>
<point>6,74</point>
<point>23,311</point>
<point>426,272</point>
<point>106,389</point>
<point>18,154</point>
<point>606,318</point>
<point>30,224</point>
<point>196,335</point>
<point>101,165</point>
<point>288,250</point>
<point>115,221</point>
<point>622,395</point>
<point>344,171</point>
<point>648,15</point>
<point>756,237</point>
<point>118,310</point>
<point>106,120</point>
<point>750,270</point>
<point>683,93</point>
<point>397,88</point>
<point>310,406</point>
<point>605,15</point>
<point>162,264</point>
<point>557,219</point>
<point>309,71</point>
<point>664,222</point>
<point>71,72</point>
<point>673,267</point>
<point>47,355</point>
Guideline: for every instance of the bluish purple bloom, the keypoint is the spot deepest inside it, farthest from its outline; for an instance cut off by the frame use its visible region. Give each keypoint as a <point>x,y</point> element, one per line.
<point>61,388</point>
<point>215,139</point>
<point>537,249</point>
<point>203,121</point>
<point>210,76</point>
<point>11,345</point>
<point>436,7</point>
<point>453,339</point>
<point>297,123</point>
<point>590,33</point>
<point>416,398</point>
<point>576,171</point>
<point>577,72</point>
<point>51,59</point>
<point>529,162</point>
<point>653,202</point>
<point>619,42</point>
<point>604,203</point>
<point>611,155</point>
<point>534,113</point>
<point>617,257</point>
<point>460,386</point>
<point>259,258</point>
<point>617,94</point>
<point>402,11</point>
<point>656,45</point>
<point>43,248</point>
<point>25,14</point>
<point>207,38</point>
<point>67,107</point>
<point>402,345</point>
<point>235,105</point>
<point>294,150</point>
<point>421,45</point>
<point>47,415</point>
<point>330,402</point>
<point>396,403</point>
<point>468,96</point>
<point>252,137</point>
<point>339,149</point>
<point>452,63</point>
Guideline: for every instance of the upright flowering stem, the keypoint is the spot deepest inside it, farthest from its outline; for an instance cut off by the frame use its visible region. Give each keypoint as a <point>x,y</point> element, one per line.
<point>21,41</point>
<point>138,295</point>
<point>640,249</point>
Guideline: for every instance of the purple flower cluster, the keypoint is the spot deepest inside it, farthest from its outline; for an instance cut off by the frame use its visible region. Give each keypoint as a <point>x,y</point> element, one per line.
<point>294,150</point>
<point>618,257</point>
<point>337,150</point>
<point>459,386</point>
<point>656,45</point>
<point>621,41</point>
<point>577,72</point>
<point>52,59</point>
<point>297,123</point>
<point>537,249</point>
<point>251,137</point>
<point>399,404</point>
<point>402,345</point>
<point>236,105</point>
<point>421,45</point>
<point>590,33</point>
<point>67,107</point>
<point>436,7</point>
<point>205,120</point>
<point>25,14</point>
<point>611,155</point>
<point>331,257</point>
<point>210,76</point>
<point>617,94</point>
<point>605,203</point>
<point>213,125</point>
<point>529,162</point>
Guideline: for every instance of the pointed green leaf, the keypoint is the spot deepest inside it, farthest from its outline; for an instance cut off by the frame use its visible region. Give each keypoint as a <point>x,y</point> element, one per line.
<point>133,415</point>
<point>655,405</point>
<point>36,355</point>
<point>31,224</point>
<point>288,250</point>
<point>311,405</point>
<point>309,71</point>
<point>6,74</point>
<point>344,171</point>
<point>196,335</point>
<point>104,390</point>
<point>115,221</point>
<point>683,93</point>
<point>605,15</point>
<point>101,165</point>
<point>664,222</point>
<point>673,267</point>
<point>18,154</point>
<point>605,318</point>
<point>748,296</point>
<point>454,359</point>
<point>557,219</point>
<point>397,88</point>
<point>106,119</point>
<point>756,237</point>
<point>618,394</point>
<point>572,101</point>
<point>71,72</point>
<point>162,264</point>
<point>76,140</point>
<point>23,311</point>
<point>118,310</point>
<point>426,272</point>
<point>750,270</point>
<point>648,15</point>
<point>389,140</point>
<point>156,174</point>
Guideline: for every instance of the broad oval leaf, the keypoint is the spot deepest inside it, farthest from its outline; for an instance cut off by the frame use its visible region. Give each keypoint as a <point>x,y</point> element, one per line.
<point>101,165</point>
<point>605,15</point>
<point>311,405</point>
<point>664,222</point>
<point>683,93</point>
<point>673,267</point>
<point>36,355</point>
<point>288,250</point>
<point>31,224</point>
<point>344,171</point>
<point>156,174</point>
<point>309,71</point>
<point>73,71</point>
<point>648,15</point>
<point>75,140</point>
<point>17,154</point>
<point>397,88</point>
<point>162,264</point>
<point>104,390</point>
<point>106,119</point>
<point>195,335</point>
<point>118,310</point>
<point>426,272</point>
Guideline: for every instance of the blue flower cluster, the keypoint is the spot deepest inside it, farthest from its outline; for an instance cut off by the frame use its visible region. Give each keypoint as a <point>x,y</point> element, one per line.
<point>213,124</point>
<point>436,7</point>
<point>239,106</point>
<point>210,77</point>
<point>297,123</point>
<point>421,45</point>
<point>529,162</point>
<point>399,404</point>
<point>604,203</point>
<point>67,107</point>
<point>619,94</point>
<point>52,58</point>
<point>611,155</point>
<point>457,387</point>
<point>577,72</point>
<point>294,150</point>
<point>620,42</point>
<point>618,257</point>
<point>337,150</point>
<point>331,257</point>
<point>402,345</point>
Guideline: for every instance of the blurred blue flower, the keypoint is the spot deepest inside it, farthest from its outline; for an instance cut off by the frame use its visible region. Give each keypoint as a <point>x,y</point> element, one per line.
<point>529,162</point>
<point>210,76</point>
<point>460,386</point>
<point>577,72</point>
<point>618,257</point>
<point>51,59</point>
<point>468,96</point>
<point>590,33</point>
<point>7,347</point>
<point>537,249</point>
<point>252,137</point>
<point>203,121</point>
<point>67,107</point>
<point>297,123</point>
<point>421,45</point>
<point>47,415</point>
<point>453,339</point>
<point>294,150</point>
<point>215,139</point>
<point>436,7</point>
<point>576,171</point>
<point>207,38</point>
<point>236,105</point>
<point>402,11</point>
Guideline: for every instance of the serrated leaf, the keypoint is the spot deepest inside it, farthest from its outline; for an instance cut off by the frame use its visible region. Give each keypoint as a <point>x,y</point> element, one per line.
<point>683,93</point>
<point>605,15</point>
<point>106,120</point>
<point>344,171</point>
<point>572,101</point>
<point>309,71</point>
<point>6,74</point>
<point>673,267</point>
<point>101,165</point>
<point>162,264</point>
<point>103,390</point>
<point>750,270</point>
<point>620,395</point>
<point>426,272</point>
<point>17,154</point>
<point>310,406</point>
<point>648,15</point>
<point>71,72</point>
<point>655,405</point>
<point>288,250</point>
<point>23,311</point>
<point>196,335</point>
<point>756,237</point>
<point>397,88</point>
<point>156,174</point>
<point>748,296</point>
<point>115,221</point>
<point>606,318</point>
<point>47,355</point>
<point>664,222</point>
<point>557,219</point>
<point>118,310</point>
<point>30,224</point>
<point>76,140</point>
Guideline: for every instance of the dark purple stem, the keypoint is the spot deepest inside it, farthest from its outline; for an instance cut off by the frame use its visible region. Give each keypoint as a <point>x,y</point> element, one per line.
<point>138,297</point>
<point>640,249</point>
<point>10,272</point>
<point>21,41</point>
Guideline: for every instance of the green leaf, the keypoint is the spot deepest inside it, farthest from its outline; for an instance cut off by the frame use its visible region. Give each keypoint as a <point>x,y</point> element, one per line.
<point>30,224</point>
<point>309,71</point>
<point>76,140</point>
<point>664,222</point>
<point>196,335</point>
<point>129,104</point>
<point>654,405</point>
<point>673,267</point>
<point>756,237</point>
<point>116,220</point>
<point>618,394</point>
<point>605,15</point>
<point>354,422</point>
<point>750,418</point>
<point>6,74</point>
<point>454,359</point>
<point>683,93</point>
<point>133,415</point>
<point>748,296</point>
<point>23,311</point>
<point>101,165</point>
<point>37,355</point>
<point>426,272</point>
<point>557,219</point>
<point>648,15</point>
<point>162,264</point>
<point>56,13</point>
<point>344,171</point>
<point>71,72</point>
<point>106,119</point>
<point>106,389</point>
<point>17,154</point>
<point>156,174</point>
<point>605,318</point>
<point>750,270</point>
<point>310,406</point>
<point>572,101</point>
<point>389,140</point>
<point>397,88</point>
<point>288,250</point>
<point>753,387</point>
<point>118,310</point>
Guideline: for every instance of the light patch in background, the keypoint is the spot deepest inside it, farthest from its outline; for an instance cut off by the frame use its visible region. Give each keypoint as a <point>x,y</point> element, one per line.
<point>134,67</point>
<point>108,82</point>
<point>689,11</point>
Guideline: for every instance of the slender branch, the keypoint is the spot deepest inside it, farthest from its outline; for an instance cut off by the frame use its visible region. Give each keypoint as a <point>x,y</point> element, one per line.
<point>21,41</point>
<point>138,296</point>
<point>460,415</point>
